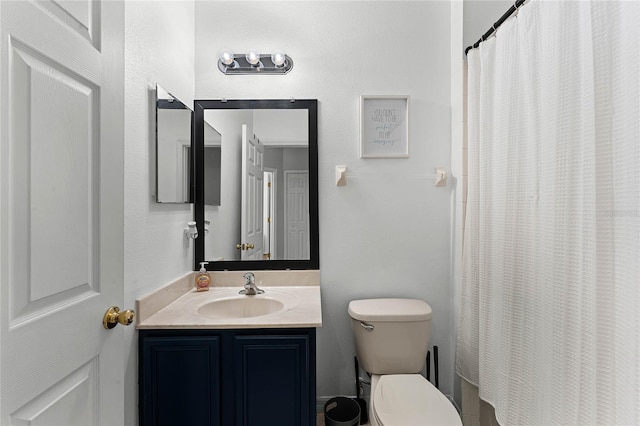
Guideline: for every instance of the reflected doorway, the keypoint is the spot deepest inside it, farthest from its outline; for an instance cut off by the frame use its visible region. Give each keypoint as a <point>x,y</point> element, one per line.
<point>269,215</point>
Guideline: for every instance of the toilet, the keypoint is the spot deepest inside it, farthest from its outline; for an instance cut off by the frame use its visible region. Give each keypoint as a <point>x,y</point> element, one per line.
<point>391,338</point>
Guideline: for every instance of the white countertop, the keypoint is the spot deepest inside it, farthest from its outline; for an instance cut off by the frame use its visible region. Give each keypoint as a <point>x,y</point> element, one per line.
<point>176,305</point>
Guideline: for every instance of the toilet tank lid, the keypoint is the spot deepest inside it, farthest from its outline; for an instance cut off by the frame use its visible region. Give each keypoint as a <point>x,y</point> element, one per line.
<point>390,310</point>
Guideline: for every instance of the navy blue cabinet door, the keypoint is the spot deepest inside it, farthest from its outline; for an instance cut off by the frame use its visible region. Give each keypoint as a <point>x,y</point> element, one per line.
<point>258,377</point>
<point>180,380</point>
<point>274,380</point>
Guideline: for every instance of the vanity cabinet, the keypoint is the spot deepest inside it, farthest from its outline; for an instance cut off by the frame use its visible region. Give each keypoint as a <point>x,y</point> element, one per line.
<point>227,377</point>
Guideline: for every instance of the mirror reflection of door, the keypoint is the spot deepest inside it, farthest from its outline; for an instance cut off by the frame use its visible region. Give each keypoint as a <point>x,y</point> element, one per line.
<point>269,214</point>
<point>297,214</point>
<point>250,244</point>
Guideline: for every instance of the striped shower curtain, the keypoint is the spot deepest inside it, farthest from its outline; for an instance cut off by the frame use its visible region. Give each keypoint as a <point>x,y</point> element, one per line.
<point>549,324</point>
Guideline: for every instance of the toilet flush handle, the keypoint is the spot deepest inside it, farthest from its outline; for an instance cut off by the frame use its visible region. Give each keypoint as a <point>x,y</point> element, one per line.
<point>366,326</point>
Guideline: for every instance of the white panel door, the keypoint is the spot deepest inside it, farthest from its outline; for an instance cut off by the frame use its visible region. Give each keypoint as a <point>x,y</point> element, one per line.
<point>61,212</point>
<point>296,215</point>
<point>252,189</point>
<point>268,215</point>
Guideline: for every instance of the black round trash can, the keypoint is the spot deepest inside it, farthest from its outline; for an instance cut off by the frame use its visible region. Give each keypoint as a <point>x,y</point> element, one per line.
<point>341,411</point>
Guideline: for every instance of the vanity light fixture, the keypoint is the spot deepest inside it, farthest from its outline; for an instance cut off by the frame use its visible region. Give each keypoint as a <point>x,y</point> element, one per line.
<point>254,63</point>
<point>253,58</point>
<point>227,57</point>
<point>278,58</point>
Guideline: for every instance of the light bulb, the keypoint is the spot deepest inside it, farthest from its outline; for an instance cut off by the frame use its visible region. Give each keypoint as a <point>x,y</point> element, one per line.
<point>226,57</point>
<point>253,58</point>
<point>278,58</point>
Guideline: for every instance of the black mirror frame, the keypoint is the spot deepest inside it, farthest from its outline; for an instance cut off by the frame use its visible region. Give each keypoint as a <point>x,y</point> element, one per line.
<point>311,105</point>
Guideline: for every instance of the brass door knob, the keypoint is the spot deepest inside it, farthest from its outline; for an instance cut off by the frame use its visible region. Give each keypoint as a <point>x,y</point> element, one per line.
<point>113,316</point>
<point>244,246</point>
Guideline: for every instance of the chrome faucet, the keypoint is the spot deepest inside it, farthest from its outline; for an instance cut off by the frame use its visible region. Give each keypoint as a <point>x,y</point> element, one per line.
<point>250,288</point>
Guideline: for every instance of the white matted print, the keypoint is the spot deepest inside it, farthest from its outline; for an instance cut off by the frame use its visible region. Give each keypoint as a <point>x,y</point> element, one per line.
<point>384,126</point>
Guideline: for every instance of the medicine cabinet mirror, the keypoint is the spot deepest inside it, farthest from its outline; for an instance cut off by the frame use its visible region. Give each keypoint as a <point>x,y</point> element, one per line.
<point>267,217</point>
<point>174,164</point>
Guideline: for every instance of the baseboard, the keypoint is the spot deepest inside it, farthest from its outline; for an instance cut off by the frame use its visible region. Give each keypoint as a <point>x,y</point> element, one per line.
<point>450,398</point>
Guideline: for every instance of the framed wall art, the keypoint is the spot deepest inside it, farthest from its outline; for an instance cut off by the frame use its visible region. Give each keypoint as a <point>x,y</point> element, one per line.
<point>384,126</point>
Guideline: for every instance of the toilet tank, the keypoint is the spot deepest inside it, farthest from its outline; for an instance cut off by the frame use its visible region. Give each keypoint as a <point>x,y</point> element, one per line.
<point>391,335</point>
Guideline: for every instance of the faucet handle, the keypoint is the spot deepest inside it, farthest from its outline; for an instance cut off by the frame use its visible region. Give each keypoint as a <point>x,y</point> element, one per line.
<point>250,288</point>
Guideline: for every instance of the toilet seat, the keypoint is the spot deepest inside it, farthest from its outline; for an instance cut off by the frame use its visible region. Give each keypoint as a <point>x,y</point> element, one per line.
<point>411,400</point>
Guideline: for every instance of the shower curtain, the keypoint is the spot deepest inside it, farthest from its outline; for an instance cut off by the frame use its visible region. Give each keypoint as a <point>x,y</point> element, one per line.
<point>549,324</point>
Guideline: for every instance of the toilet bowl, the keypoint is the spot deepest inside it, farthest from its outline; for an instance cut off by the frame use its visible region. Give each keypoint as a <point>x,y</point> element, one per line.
<point>391,338</point>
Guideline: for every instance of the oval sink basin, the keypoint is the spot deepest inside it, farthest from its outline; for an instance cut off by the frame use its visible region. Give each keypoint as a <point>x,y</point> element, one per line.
<point>240,307</point>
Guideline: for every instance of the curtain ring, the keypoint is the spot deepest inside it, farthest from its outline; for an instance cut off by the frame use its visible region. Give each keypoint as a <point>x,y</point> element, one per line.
<point>516,7</point>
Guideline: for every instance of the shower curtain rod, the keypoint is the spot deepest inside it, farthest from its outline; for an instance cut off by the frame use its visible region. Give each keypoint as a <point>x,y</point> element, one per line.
<point>495,26</point>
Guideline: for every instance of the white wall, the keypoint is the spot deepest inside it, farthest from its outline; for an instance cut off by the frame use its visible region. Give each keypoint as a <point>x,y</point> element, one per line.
<point>281,126</point>
<point>159,47</point>
<point>480,15</point>
<point>458,165</point>
<point>388,232</point>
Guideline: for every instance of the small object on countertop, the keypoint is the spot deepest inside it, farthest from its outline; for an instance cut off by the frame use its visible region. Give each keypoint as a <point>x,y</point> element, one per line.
<point>203,279</point>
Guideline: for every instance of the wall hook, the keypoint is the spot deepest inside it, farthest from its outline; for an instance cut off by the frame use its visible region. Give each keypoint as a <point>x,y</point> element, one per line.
<point>441,177</point>
<point>341,175</point>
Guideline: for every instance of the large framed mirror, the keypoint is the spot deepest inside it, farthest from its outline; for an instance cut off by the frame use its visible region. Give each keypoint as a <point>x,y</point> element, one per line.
<point>267,216</point>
